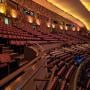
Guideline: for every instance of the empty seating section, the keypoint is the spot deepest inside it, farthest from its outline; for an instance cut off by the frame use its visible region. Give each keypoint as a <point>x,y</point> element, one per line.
<point>14,39</point>
<point>62,48</point>
<point>23,34</point>
<point>66,67</point>
<point>12,33</point>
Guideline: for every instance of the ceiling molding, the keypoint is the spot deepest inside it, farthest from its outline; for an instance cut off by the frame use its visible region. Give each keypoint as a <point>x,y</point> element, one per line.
<point>76,9</point>
<point>60,12</point>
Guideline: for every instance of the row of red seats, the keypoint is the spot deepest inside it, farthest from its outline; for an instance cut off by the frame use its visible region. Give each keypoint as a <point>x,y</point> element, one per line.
<point>27,33</point>
<point>60,63</point>
<point>66,68</point>
<point>40,33</point>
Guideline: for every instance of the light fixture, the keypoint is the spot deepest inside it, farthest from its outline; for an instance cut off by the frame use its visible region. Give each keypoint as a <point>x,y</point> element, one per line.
<point>48,24</point>
<point>38,21</point>
<point>73,28</point>
<point>30,19</point>
<point>53,25</point>
<point>2,8</point>
<point>66,28</point>
<point>61,27</point>
<point>78,28</point>
<point>13,13</point>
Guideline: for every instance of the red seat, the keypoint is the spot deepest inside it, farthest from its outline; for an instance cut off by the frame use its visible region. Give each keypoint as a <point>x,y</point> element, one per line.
<point>52,85</point>
<point>69,72</point>
<point>5,57</point>
<point>63,85</point>
<point>62,70</point>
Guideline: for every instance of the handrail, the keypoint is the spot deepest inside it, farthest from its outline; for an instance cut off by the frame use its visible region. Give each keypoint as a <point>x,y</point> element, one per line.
<point>12,75</point>
<point>32,75</point>
<point>20,84</point>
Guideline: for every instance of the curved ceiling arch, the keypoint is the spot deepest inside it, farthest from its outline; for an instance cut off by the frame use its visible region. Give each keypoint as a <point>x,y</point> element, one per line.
<point>74,8</point>
<point>70,9</point>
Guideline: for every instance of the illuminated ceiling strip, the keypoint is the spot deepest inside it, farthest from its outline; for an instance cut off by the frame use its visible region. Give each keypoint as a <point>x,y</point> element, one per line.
<point>86,4</point>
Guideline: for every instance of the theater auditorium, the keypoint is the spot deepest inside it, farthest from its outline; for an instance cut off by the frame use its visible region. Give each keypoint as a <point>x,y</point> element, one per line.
<point>44,44</point>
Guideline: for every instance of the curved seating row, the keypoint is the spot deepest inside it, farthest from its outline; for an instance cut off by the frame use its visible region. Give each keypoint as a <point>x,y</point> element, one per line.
<point>66,68</point>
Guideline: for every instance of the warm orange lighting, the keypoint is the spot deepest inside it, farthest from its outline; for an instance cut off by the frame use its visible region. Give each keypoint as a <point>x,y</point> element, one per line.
<point>38,22</point>
<point>30,19</point>
<point>78,28</point>
<point>73,28</point>
<point>2,8</point>
<point>61,27</point>
<point>66,8</point>
<point>53,25</point>
<point>13,13</point>
<point>48,24</point>
<point>66,28</point>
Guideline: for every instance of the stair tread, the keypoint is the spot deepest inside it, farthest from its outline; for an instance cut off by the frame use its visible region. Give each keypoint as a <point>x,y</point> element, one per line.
<point>13,53</point>
<point>1,44</point>
<point>20,57</point>
<point>5,47</point>
<point>8,51</point>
